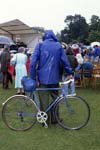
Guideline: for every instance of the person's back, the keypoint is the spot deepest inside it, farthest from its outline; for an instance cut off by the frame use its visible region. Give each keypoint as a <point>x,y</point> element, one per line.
<point>49,53</point>
<point>45,65</point>
<point>96,51</point>
<point>72,59</point>
<point>73,62</point>
<point>49,62</point>
<point>96,54</point>
<point>5,59</point>
<point>19,60</point>
<point>87,65</point>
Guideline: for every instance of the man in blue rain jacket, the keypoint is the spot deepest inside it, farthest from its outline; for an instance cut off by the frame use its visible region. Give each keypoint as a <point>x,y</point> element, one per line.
<point>45,64</point>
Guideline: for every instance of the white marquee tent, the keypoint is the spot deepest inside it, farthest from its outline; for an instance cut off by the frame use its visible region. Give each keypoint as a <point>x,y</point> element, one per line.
<point>17,29</point>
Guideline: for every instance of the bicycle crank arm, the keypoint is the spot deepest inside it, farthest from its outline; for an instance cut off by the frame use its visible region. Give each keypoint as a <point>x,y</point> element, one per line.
<point>45,125</point>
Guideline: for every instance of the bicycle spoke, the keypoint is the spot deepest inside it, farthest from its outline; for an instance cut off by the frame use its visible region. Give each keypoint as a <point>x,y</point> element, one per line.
<point>19,113</point>
<point>74,111</point>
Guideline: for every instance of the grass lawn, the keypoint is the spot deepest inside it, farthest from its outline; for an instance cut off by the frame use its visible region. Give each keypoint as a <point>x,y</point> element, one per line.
<point>55,137</point>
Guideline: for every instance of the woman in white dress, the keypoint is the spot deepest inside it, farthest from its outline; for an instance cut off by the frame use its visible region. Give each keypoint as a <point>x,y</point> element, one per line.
<point>20,68</point>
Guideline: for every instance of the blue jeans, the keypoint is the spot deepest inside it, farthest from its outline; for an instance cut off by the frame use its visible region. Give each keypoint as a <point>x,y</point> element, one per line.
<point>68,88</point>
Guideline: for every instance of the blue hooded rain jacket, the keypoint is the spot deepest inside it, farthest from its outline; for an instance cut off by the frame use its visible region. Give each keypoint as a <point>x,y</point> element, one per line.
<point>48,55</point>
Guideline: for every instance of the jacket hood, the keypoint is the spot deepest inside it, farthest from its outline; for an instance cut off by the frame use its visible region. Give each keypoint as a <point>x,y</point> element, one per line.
<point>49,34</point>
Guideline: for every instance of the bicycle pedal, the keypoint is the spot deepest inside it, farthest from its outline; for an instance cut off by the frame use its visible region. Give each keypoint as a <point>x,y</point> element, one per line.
<point>46,126</point>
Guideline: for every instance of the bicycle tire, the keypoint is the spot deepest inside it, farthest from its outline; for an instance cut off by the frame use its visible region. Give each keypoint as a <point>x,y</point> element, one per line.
<point>74,114</point>
<point>19,113</point>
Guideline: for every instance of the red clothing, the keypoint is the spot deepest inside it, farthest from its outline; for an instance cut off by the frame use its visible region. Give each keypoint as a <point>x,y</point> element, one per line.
<point>11,69</point>
<point>28,65</point>
<point>75,51</point>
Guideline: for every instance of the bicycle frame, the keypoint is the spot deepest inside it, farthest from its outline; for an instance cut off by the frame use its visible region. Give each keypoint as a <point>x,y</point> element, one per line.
<point>53,103</point>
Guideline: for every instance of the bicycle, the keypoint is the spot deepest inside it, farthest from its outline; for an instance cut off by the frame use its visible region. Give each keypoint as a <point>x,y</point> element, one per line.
<point>21,112</point>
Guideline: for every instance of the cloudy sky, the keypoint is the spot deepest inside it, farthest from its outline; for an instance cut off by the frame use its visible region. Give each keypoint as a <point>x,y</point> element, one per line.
<point>49,14</point>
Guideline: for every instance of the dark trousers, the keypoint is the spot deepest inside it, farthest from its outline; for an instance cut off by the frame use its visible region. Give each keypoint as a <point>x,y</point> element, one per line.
<point>5,79</point>
<point>45,98</point>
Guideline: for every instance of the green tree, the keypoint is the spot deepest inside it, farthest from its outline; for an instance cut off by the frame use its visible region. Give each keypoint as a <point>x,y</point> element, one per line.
<point>94,29</point>
<point>95,23</point>
<point>94,36</point>
<point>76,29</point>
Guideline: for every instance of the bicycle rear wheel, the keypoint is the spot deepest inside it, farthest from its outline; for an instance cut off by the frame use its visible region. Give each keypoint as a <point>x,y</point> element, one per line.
<point>19,113</point>
<point>74,112</point>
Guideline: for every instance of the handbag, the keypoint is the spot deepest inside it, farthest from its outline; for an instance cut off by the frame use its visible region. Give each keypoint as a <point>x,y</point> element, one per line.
<point>28,83</point>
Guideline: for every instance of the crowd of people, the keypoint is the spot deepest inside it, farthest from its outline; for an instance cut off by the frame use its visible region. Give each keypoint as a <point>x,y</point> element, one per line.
<point>50,55</point>
<point>13,66</point>
<point>50,62</point>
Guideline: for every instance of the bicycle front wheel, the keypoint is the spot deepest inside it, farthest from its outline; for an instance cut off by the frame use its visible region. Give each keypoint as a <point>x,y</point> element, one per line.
<point>19,113</point>
<point>74,112</point>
